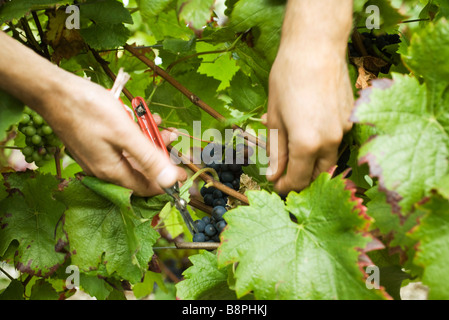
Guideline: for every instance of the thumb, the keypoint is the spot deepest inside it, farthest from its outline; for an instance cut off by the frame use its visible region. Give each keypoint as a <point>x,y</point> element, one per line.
<point>153,163</point>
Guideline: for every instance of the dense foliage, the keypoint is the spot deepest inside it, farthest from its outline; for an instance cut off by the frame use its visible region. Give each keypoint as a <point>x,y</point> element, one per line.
<point>387,204</point>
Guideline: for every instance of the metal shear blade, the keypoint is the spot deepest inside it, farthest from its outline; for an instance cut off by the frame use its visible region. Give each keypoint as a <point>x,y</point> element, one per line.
<point>181,205</point>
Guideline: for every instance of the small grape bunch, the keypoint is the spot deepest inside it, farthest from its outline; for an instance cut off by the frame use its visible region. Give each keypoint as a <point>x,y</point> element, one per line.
<point>209,228</point>
<point>41,142</point>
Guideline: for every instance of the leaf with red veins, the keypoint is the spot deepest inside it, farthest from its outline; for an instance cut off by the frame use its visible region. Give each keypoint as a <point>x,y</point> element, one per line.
<point>30,215</point>
<point>410,152</point>
<point>320,254</point>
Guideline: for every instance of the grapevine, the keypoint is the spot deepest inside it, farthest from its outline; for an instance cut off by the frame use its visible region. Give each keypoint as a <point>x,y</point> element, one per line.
<point>381,211</point>
<point>41,142</point>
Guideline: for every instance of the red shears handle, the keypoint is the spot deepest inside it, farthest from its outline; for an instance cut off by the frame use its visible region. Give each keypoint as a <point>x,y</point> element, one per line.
<point>147,123</point>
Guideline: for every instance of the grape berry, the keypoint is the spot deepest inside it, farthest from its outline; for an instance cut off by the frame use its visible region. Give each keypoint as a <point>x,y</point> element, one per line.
<point>41,142</point>
<point>209,228</point>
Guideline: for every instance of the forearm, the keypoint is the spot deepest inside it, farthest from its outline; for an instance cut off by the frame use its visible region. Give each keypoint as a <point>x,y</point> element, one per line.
<point>320,27</point>
<point>28,76</point>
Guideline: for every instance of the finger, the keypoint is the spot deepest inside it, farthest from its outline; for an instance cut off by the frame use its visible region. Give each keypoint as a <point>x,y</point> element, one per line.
<point>157,118</point>
<point>264,119</point>
<point>153,163</point>
<point>169,135</point>
<point>325,162</point>
<point>299,172</point>
<point>277,148</point>
<point>125,175</point>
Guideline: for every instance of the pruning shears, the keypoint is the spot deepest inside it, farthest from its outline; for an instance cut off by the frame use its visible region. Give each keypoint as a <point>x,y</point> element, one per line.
<point>150,129</point>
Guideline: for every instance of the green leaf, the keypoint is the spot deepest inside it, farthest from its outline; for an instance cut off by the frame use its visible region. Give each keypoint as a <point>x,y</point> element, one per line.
<point>265,18</point>
<point>145,287</point>
<point>428,53</point>
<point>16,9</point>
<point>166,24</point>
<point>388,222</point>
<point>204,280</point>
<point>10,112</point>
<point>14,291</point>
<point>245,95</point>
<point>220,66</point>
<point>101,233</point>
<point>105,12</point>
<point>95,287</point>
<point>104,36</point>
<point>149,9</point>
<point>279,258</point>
<point>121,198</point>
<point>42,290</point>
<point>195,13</point>
<point>442,186</point>
<point>31,217</point>
<point>432,253</point>
<point>411,152</point>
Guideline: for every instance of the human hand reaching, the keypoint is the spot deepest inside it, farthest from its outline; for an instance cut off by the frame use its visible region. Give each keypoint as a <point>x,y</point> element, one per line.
<point>310,95</point>
<point>89,120</point>
<point>106,143</point>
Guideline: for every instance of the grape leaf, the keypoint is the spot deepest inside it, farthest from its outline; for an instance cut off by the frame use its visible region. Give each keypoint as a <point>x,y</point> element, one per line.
<point>43,290</point>
<point>245,95</point>
<point>104,36</point>
<point>16,9</point>
<point>279,258</point>
<point>105,12</point>
<point>95,287</point>
<point>389,223</point>
<point>116,238</point>
<point>14,291</point>
<point>220,66</point>
<point>265,18</point>
<point>149,9</point>
<point>204,280</point>
<point>195,13</point>
<point>428,54</point>
<point>166,24</point>
<point>410,153</point>
<point>30,217</point>
<point>145,287</point>
<point>431,253</point>
<point>10,112</point>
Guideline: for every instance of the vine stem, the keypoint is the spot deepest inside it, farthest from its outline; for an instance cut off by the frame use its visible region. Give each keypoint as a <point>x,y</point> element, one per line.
<point>190,95</point>
<point>11,147</point>
<point>184,134</point>
<point>58,163</point>
<point>104,64</point>
<point>210,181</point>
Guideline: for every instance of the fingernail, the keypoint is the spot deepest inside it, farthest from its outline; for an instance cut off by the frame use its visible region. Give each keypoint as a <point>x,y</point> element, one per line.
<point>167,177</point>
<point>173,136</point>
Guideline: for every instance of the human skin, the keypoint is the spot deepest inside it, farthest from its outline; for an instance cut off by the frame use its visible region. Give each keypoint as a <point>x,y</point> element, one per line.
<point>310,95</point>
<point>90,122</point>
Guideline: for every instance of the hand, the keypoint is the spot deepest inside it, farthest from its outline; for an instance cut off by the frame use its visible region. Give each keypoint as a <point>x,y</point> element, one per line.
<point>310,101</point>
<point>105,142</point>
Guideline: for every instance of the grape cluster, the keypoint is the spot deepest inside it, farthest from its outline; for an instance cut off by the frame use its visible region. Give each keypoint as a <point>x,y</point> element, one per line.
<point>370,41</point>
<point>41,142</point>
<point>209,228</point>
